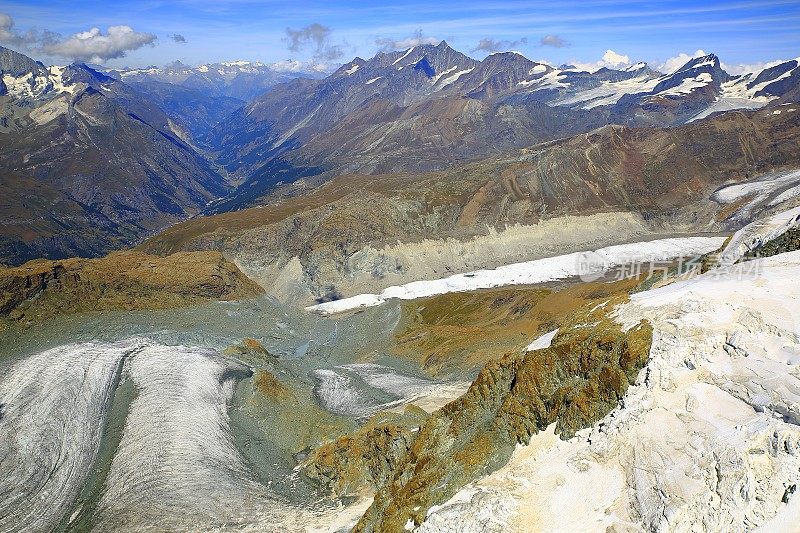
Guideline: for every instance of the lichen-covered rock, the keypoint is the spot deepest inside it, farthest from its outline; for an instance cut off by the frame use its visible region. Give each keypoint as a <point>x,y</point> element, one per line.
<point>575,382</point>
<point>365,460</point>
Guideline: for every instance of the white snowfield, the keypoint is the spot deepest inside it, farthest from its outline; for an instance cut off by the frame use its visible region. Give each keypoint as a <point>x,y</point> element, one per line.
<point>708,439</point>
<point>759,232</point>
<point>542,342</point>
<point>775,187</point>
<point>591,264</point>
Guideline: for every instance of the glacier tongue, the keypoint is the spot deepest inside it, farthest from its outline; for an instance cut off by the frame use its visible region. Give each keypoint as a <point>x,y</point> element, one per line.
<point>52,409</point>
<point>176,467</point>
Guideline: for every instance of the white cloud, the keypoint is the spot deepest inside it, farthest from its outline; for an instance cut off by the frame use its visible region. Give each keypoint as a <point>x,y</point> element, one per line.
<point>611,59</point>
<point>318,37</point>
<point>293,65</point>
<point>96,47</point>
<point>674,63</point>
<point>415,39</point>
<point>91,45</point>
<point>6,28</point>
<point>744,68</point>
<point>553,40</point>
<point>491,46</point>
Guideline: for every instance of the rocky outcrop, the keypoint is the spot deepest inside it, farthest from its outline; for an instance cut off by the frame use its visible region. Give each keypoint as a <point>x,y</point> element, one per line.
<point>364,461</point>
<point>788,242</point>
<point>121,281</point>
<point>575,382</point>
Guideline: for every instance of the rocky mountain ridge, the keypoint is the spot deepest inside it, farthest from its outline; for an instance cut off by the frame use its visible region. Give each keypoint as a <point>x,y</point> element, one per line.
<point>430,107</point>
<point>412,112</point>
<point>89,164</point>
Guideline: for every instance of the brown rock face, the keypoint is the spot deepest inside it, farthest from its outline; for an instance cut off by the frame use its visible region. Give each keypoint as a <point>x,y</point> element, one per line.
<point>121,281</point>
<point>574,383</point>
<point>364,461</point>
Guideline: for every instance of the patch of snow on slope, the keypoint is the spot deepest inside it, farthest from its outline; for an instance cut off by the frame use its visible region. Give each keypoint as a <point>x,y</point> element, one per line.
<point>609,93</point>
<point>402,57</point>
<point>707,438</point>
<point>542,342</point>
<point>530,272</point>
<point>443,73</point>
<point>688,85</point>
<point>373,80</point>
<point>453,78</point>
<point>735,94</point>
<point>551,80</point>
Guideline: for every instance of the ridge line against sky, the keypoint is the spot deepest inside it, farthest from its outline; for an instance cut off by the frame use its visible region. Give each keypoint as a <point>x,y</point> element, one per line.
<point>154,32</point>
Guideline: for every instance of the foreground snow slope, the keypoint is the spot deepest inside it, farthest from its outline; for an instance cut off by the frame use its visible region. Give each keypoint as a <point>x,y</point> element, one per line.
<point>533,272</point>
<point>707,440</point>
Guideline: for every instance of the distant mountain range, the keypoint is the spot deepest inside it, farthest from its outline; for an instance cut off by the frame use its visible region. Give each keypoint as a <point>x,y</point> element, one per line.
<point>89,164</point>
<point>243,80</point>
<point>430,106</point>
<point>92,161</point>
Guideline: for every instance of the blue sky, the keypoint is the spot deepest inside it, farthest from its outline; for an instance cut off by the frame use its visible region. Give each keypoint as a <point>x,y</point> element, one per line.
<point>744,32</point>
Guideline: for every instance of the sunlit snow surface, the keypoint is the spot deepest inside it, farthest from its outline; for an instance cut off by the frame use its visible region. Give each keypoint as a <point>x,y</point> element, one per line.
<point>532,272</point>
<point>706,440</point>
<point>542,342</point>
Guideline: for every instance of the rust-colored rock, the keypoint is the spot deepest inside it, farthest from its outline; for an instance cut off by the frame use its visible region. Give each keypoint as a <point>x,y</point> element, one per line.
<point>575,382</point>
